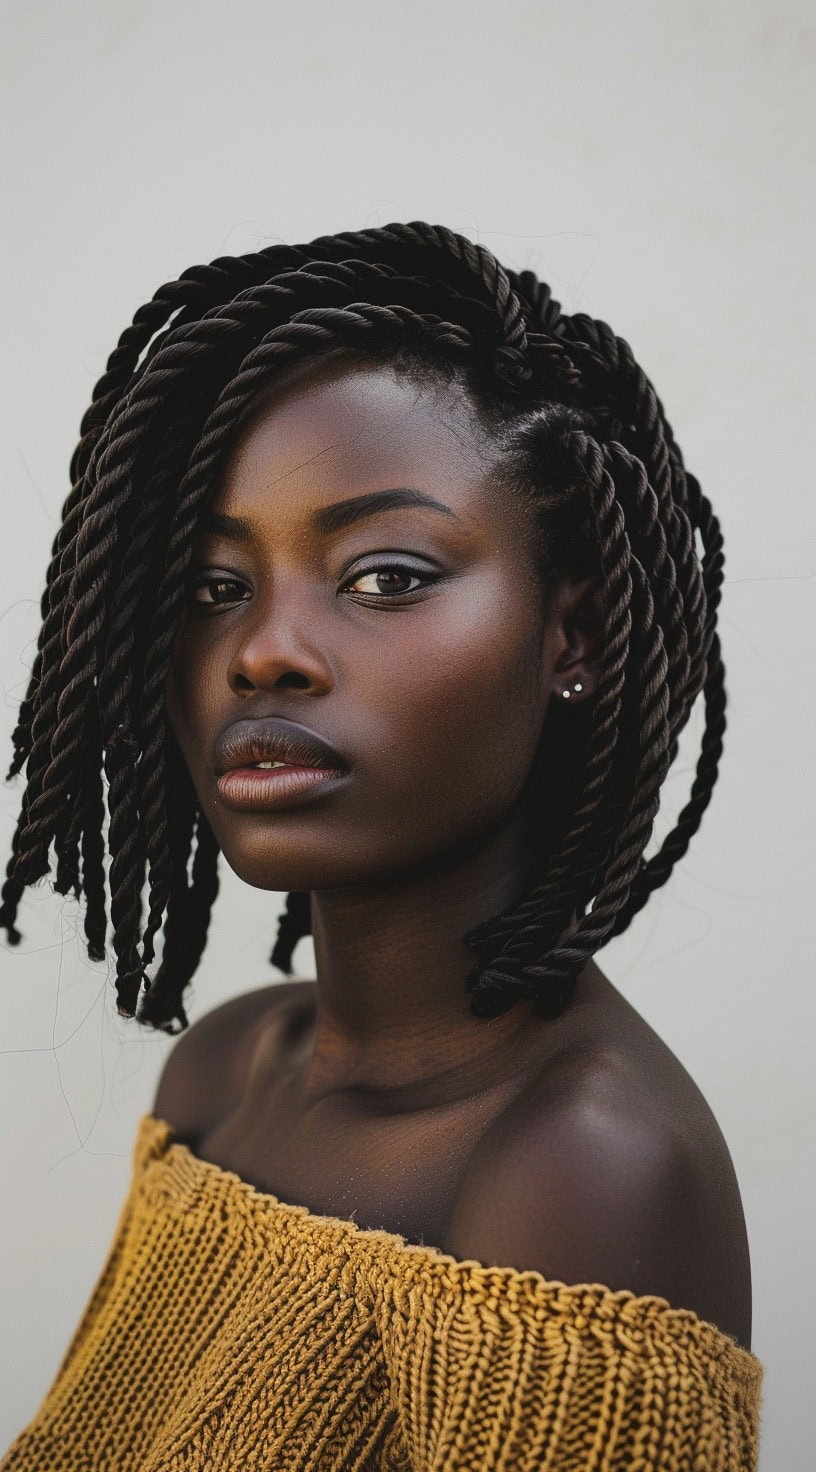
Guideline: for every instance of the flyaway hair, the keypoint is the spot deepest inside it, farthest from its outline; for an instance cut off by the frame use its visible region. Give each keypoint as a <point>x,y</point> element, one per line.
<point>584,437</point>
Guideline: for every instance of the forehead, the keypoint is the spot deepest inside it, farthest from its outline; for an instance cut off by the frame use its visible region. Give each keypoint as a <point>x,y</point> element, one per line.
<point>360,429</point>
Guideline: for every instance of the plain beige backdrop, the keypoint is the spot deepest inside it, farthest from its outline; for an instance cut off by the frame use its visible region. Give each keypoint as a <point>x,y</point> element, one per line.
<point>653,161</point>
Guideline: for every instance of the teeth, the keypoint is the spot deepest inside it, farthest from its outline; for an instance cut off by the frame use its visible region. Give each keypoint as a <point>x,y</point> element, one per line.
<point>267,765</point>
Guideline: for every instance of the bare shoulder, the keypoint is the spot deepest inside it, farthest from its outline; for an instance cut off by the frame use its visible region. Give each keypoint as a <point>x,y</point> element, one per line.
<point>204,1075</point>
<point>607,1172</point>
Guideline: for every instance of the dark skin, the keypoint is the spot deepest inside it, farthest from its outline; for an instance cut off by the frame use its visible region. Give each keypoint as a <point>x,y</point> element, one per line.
<point>580,1146</point>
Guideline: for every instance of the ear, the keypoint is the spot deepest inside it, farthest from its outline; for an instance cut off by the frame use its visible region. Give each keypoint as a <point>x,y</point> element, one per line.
<point>576,639</point>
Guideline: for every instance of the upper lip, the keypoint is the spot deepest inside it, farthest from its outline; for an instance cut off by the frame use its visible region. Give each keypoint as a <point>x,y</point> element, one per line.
<point>272,739</point>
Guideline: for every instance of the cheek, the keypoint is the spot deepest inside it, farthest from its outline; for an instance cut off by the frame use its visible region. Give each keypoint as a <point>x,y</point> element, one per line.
<point>463,705</point>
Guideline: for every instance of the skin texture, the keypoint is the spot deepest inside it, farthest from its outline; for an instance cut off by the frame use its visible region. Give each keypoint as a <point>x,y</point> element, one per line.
<point>579,1146</point>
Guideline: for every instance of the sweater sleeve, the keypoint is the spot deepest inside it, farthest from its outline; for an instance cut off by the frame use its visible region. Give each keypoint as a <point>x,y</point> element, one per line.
<point>513,1373</point>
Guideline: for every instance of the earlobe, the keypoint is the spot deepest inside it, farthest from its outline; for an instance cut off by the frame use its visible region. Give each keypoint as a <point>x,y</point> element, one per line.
<point>575,673</point>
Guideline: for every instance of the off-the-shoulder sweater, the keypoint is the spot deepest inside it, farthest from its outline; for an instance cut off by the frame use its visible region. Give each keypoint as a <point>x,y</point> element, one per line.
<point>231,1330</point>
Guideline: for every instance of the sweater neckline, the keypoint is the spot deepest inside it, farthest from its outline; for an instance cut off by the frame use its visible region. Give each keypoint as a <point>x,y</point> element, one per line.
<point>159,1137</point>
<point>157,1141</point>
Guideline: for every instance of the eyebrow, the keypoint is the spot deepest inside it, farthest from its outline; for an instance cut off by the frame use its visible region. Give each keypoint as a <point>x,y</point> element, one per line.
<point>329,520</point>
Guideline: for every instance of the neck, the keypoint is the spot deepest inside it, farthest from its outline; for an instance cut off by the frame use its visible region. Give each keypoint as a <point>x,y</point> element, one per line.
<point>393,1021</point>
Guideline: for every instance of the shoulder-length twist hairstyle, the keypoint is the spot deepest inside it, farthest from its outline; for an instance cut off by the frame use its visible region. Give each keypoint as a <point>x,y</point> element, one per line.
<point>584,437</point>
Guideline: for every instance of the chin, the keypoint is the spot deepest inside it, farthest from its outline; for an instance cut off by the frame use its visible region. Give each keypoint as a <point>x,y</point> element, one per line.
<point>268,859</point>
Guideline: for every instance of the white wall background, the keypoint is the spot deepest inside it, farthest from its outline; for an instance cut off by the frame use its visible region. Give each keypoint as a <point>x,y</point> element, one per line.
<point>651,160</point>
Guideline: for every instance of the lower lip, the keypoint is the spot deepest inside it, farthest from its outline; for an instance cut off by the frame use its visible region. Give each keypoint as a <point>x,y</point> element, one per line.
<point>266,788</point>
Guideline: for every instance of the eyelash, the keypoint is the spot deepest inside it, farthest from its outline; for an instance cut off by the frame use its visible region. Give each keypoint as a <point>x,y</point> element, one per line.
<point>208,581</point>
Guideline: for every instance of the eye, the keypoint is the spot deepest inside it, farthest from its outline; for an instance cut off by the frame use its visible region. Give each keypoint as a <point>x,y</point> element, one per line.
<point>389,581</point>
<point>214,590</point>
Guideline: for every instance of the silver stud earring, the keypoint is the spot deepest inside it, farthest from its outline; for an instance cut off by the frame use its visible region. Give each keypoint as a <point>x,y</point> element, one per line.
<point>576,688</point>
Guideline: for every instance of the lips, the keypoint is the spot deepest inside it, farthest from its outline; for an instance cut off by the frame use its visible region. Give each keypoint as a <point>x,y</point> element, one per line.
<point>265,739</point>
<point>268,764</point>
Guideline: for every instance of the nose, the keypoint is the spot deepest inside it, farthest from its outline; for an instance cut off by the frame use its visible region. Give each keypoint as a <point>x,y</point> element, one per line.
<point>279,644</point>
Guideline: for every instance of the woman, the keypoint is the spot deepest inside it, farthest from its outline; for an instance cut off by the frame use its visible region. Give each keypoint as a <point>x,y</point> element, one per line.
<point>381,576</point>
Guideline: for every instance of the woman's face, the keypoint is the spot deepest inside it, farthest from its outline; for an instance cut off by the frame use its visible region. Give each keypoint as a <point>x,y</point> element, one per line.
<point>408,639</point>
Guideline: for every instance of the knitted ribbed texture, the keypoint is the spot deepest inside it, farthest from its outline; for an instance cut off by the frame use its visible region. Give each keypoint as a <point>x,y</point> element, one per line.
<point>230,1330</point>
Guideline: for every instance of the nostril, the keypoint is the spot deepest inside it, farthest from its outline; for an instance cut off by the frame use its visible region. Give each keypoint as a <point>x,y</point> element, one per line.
<point>290,680</point>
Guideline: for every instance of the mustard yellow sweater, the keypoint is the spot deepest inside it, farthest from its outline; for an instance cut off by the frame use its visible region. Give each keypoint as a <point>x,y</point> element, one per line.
<point>230,1330</point>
